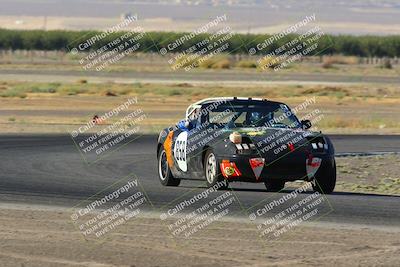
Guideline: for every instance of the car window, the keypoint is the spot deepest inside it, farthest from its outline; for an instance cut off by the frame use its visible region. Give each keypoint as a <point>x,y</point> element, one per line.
<point>273,115</point>
<point>283,119</point>
<point>219,117</point>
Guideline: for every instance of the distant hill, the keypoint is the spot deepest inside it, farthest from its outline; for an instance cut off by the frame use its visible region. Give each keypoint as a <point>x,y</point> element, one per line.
<point>255,16</point>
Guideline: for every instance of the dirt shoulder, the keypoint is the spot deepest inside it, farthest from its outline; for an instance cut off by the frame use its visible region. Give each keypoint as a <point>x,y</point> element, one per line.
<point>373,174</point>
<point>44,237</point>
<point>60,108</point>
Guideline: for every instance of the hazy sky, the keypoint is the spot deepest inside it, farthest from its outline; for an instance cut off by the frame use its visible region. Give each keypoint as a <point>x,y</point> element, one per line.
<point>356,17</point>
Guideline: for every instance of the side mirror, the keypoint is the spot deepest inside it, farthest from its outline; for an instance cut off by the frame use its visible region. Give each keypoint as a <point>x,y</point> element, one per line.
<point>306,124</point>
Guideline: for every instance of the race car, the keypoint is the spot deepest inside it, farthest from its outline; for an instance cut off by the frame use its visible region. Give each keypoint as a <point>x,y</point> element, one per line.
<point>230,139</point>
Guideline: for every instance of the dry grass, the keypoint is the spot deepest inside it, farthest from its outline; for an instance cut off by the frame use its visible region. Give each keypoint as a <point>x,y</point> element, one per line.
<point>340,59</point>
<point>355,92</point>
<point>346,109</point>
<point>337,64</point>
<point>216,62</point>
<point>357,174</point>
<point>188,62</point>
<point>246,64</point>
<point>268,62</point>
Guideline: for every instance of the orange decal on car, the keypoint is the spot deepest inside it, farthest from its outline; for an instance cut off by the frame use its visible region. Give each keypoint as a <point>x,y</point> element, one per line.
<point>168,149</point>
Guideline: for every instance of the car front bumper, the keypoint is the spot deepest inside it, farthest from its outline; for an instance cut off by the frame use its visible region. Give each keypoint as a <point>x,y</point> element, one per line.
<point>290,167</point>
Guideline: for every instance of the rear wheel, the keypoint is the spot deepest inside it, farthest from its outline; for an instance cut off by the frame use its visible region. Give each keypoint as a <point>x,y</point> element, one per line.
<point>274,185</point>
<point>325,179</point>
<point>164,172</point>
<point>212,172</point>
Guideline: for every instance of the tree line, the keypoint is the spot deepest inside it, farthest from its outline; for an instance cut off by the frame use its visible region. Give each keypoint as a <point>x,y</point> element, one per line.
<point>363,46</point>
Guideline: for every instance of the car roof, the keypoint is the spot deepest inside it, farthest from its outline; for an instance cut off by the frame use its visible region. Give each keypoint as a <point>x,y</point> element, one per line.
<point>232,99</point>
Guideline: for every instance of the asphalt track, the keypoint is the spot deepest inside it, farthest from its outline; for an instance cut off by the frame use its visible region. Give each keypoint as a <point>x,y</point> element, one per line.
<point>49,170</point>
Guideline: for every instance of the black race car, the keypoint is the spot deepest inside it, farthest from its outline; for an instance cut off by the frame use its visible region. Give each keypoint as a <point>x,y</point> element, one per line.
<point>243,139</point>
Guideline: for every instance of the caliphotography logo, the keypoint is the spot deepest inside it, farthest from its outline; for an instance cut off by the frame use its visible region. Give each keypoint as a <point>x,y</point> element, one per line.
<point>109,131</point>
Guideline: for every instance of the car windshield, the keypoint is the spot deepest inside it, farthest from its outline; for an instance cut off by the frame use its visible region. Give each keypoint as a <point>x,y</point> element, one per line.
<point>260,115</point>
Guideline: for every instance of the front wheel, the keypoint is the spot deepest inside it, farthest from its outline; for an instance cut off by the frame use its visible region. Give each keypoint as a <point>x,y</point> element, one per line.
<point>164,172</point>
<point>212,172</point>
<point>325,179</point>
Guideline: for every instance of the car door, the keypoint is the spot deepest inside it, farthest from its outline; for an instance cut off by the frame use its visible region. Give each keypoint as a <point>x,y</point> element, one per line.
<point>194,150</point>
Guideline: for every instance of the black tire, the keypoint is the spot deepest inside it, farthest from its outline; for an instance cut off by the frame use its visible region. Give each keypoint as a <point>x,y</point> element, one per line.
<point>274,185</point>
<point>212,172</point>
<point>164,172</point>
<point>325,179</point>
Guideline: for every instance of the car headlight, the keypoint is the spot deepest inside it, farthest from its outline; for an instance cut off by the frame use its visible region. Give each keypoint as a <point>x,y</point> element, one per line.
<point>319,143</point>
<point>235,138</point>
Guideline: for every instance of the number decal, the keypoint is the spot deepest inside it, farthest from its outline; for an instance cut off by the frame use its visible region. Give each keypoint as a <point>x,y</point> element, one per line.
<point>180,151</point>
